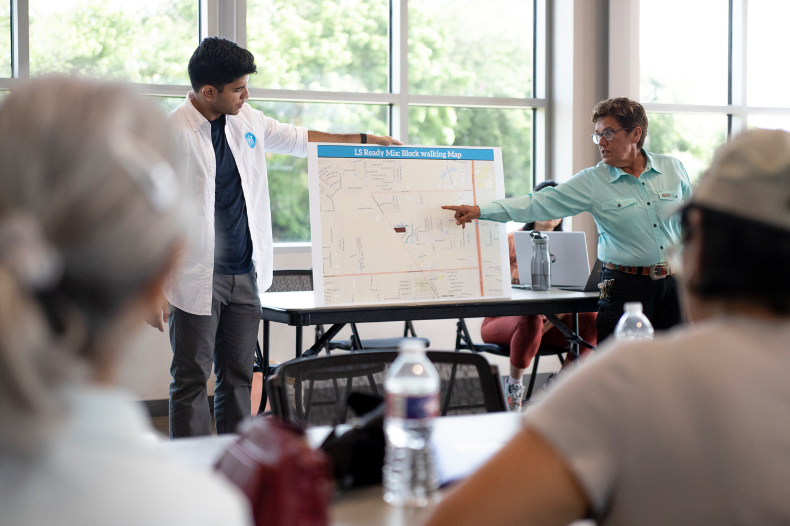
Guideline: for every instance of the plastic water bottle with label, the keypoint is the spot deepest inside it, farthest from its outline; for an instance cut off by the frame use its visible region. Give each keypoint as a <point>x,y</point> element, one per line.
<point>633,324</point>
<point>412,387</point>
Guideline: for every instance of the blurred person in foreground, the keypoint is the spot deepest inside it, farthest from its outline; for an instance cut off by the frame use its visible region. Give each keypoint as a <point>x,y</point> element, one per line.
<point>631,195</point>
<point>92,219</point>
<point>212,305</point>
<point>691,427</point>
<point>523,335</point>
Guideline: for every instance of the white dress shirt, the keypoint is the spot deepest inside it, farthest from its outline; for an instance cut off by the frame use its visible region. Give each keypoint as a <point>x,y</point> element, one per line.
<point>105,466</point>
<point>250,135</point>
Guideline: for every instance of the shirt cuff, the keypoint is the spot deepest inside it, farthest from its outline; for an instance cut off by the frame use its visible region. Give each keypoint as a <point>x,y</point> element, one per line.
<point>494,212</point>
<point>300,149</point>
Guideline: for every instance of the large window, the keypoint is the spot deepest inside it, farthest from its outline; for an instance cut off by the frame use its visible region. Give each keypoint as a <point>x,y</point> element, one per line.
<point>431,72</point>
<point>716,75</point>
<point>444,72</point>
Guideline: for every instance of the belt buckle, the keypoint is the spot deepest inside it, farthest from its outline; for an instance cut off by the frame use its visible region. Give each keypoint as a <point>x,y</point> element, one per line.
<point>663,271</point>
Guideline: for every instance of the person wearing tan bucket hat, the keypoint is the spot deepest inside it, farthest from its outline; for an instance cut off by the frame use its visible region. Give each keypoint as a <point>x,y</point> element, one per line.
<point>688,428</point>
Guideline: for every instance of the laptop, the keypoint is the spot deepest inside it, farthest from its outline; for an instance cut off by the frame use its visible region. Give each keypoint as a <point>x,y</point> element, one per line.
<point>570,269</point>
<point>592,281</point>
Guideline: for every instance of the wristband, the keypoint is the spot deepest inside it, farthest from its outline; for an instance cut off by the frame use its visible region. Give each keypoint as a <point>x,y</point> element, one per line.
<point>364,137</point>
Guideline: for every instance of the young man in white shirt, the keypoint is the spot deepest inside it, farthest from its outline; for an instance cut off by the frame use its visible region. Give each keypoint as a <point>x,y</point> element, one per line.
<point>214,307</point>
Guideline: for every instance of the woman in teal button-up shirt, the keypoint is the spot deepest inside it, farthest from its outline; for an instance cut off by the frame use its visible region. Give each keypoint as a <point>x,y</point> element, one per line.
<point>631,195</point>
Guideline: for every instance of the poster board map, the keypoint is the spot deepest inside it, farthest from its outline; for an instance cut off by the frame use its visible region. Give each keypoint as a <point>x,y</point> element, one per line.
<point>379,235</point>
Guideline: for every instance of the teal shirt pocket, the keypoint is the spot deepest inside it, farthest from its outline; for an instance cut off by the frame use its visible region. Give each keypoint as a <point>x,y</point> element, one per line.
<point>670,194</point>
<point>617,203</point>
<point>669,199</point>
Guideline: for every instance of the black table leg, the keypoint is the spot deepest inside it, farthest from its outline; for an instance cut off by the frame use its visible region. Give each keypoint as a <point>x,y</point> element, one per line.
<point>356,337</point>
<point>265,364</point>
<point>298,341</point>
<point>328,335</point>
<point>574,348</point>
<point>571,335</point>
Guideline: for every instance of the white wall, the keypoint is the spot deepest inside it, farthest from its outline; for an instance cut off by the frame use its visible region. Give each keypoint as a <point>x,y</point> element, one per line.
<point>578,79</point>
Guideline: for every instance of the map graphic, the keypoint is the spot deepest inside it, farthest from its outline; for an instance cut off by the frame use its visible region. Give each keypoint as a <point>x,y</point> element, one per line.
<point>379,234</point>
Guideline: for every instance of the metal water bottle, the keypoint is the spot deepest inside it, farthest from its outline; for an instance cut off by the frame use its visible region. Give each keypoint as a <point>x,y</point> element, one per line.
<point>541,261</point>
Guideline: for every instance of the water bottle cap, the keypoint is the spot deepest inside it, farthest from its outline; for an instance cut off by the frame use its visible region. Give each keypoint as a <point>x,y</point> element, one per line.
<point>540,240</point>
<point>409,345</point>
<point>633,306</point>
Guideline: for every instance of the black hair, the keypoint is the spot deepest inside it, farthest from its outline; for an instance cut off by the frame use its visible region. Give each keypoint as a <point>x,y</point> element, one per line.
<point>217,62</point>
<point>741,259</point>
<point>541,186</point>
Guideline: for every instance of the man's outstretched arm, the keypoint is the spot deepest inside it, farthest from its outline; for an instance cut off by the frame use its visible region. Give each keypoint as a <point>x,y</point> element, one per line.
<point>355,138</point>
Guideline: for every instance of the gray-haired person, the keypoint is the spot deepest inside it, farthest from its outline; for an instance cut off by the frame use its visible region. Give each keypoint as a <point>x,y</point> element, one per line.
<point>92,218</point>
<point>691,427</point>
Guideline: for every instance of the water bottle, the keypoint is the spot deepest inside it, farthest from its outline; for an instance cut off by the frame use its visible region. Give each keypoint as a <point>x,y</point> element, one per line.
<point>541,262</point>
<point>412,387</point>
<point>633,325</point>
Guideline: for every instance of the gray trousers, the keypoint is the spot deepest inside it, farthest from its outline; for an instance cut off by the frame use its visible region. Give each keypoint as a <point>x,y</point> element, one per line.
<point>225,339</point>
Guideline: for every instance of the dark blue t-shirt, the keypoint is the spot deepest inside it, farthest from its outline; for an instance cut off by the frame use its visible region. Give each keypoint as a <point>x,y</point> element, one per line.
<point>233,244</point>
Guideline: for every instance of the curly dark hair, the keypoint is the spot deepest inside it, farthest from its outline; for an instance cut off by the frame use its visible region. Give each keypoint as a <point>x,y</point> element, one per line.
<point>217,62</point>
<point>629,113</point>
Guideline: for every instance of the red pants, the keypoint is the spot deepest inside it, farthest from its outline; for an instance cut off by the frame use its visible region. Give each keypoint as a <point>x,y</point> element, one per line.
<point>524,334</point>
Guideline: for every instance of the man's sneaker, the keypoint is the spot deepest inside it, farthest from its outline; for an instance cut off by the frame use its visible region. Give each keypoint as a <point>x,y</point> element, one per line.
<point>514,393</point>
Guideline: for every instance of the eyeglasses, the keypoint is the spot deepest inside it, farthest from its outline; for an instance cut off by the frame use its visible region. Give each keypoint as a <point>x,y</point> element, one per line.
<point>607,134</point>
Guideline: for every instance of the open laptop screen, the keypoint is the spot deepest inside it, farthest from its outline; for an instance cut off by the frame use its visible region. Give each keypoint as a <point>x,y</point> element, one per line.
<point>569,264</point>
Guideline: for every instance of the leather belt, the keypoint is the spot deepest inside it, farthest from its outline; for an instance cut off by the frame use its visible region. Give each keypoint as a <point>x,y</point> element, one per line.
<point>657,271</point>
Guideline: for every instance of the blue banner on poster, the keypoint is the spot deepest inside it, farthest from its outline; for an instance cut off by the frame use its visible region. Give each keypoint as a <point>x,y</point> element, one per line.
<point>406,152</point>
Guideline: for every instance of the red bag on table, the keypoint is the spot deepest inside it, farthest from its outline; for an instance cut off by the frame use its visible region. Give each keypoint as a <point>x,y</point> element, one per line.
<point>287,482</point>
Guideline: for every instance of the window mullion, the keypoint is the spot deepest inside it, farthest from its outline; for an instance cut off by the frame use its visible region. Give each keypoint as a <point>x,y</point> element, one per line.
<point>399,68</point>
<point>738,82</point>
<point>20,39</point>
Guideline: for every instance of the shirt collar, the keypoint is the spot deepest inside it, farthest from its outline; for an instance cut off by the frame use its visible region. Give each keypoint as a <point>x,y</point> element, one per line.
<point>196,119</point>
<point>615,173</point>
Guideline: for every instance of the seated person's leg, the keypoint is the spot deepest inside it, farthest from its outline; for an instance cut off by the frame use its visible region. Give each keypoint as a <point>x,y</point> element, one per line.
<point>522,334</point>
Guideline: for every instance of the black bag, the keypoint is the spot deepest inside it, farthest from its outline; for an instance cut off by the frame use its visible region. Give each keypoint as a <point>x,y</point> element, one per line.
<point>358,454</point>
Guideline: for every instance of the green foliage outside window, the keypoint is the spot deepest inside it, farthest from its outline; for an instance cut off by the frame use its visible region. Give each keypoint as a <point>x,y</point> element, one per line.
<point>5,39</point>
<point>114,40</point>
<point>330,45</point>
<point>691,138</point>
<point>468,47</point>
<point>288,175</point>
<point>510,129</point>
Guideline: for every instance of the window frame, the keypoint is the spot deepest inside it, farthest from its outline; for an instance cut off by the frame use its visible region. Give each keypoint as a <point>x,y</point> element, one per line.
<point>624,75</point>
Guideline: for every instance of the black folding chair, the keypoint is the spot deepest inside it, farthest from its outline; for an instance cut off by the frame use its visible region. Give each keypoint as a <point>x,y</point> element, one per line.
<point>314,390</point>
